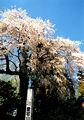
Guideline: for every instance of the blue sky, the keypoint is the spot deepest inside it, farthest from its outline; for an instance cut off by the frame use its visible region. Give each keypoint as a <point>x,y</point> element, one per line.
<point>67,15</point>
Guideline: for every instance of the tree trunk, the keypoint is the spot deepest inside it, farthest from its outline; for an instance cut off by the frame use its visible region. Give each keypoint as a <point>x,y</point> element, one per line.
<point>23,93</point>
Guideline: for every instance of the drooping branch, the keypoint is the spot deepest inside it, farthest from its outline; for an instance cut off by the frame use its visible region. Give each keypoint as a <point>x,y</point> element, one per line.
<point>12,54</point>
<point>13,64</point>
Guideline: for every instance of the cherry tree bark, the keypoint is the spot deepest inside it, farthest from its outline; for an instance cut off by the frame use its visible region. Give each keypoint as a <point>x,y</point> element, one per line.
<point>23,93</point>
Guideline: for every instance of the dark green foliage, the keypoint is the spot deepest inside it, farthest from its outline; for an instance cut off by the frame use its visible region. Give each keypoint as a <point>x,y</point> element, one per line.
<point>9,100</point>
<point>80,88</point>
<point>49,108</point>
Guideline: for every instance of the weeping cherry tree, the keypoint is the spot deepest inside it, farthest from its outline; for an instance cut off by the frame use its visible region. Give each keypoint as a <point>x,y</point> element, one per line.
<point>27,47</point>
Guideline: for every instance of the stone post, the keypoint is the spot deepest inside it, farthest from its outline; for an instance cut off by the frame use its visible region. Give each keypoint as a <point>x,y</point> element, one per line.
<point>29,105</point>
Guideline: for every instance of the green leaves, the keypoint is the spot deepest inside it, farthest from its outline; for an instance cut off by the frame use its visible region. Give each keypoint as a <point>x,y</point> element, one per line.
<point>9,99</point>
<point>1,100</point>
<point>80,77</point>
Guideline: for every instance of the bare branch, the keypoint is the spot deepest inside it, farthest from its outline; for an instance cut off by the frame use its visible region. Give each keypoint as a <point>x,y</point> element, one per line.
<point>9,72</point>
<point>14,65</point>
